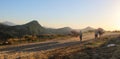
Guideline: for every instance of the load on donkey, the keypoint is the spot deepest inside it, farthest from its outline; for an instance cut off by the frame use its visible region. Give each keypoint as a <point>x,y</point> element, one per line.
<point>99,32</point>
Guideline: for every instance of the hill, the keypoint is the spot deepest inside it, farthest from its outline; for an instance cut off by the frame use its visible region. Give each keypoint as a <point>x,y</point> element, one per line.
<point>31,28</point>
<point>59,31</point>
<point>87,29</point>
<point>8,23</point>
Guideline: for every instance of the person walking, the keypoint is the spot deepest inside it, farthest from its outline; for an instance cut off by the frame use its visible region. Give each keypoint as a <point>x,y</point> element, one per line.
<point>80,35</point>
<point>96,34</point>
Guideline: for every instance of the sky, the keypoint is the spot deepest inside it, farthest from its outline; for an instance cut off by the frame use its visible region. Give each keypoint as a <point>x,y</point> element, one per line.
<point>76,14</point>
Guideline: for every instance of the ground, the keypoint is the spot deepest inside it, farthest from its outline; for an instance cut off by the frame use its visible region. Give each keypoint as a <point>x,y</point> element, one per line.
<point>68,49</point>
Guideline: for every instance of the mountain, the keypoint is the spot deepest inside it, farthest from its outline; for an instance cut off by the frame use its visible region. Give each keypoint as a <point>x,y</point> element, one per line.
<point>60,31</point>
<point>8,23</point>
<point>64,31</point>
<point>34,27</point>
<point>87,29</point>
<point>31,28</point>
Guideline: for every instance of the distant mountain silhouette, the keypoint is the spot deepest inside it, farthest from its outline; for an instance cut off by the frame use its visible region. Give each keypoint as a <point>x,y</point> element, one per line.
<point>87,29</point>
<point>8,23</point>
<point>61,31</point>
<point>31,28</point>
<point>65,30</point>
<point>34,27</point>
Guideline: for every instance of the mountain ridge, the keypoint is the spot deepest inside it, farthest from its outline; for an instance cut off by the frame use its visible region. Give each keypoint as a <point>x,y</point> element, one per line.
<point>8,23</point>
<point>32,28</point>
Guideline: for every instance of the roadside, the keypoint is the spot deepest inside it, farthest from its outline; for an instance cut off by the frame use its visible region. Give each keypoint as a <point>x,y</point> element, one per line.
<point>87,49</point>
<point>48,45</point>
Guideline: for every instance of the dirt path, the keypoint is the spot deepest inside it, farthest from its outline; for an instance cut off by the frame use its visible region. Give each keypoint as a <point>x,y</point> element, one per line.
<point>42,46</point>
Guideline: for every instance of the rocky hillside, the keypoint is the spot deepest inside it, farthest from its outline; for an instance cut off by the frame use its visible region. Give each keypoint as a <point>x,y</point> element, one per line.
<point>31,28</point>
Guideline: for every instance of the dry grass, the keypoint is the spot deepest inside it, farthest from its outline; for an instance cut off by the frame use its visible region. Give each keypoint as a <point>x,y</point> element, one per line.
<point>95,49</point>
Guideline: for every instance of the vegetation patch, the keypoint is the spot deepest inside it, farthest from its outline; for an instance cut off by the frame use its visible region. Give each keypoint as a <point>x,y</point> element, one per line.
<point>94,49</point>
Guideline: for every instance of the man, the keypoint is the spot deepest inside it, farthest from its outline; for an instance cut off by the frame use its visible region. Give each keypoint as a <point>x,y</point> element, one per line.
<point>80,35</point>
<point>96,34</point>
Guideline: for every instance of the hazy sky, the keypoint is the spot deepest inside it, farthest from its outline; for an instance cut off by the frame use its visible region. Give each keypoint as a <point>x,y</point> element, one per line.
<point>61,13</point>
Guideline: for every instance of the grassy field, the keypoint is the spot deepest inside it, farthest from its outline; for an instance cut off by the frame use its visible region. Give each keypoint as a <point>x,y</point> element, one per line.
<point>94,49</point>
<point>30,39</point>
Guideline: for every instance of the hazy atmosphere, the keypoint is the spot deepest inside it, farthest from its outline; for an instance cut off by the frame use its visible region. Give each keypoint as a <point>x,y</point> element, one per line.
<point>76,14</point>
<point>59,29</point>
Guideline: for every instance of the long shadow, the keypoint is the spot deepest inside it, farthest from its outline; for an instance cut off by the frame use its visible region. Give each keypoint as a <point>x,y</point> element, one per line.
<point>20,48</point>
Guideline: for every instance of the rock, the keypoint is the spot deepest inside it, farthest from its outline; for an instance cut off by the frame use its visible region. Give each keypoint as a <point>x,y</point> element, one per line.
<point>111,45</point>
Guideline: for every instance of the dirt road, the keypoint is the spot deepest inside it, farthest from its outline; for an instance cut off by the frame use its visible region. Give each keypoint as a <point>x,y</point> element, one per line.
<point>42,46</point>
